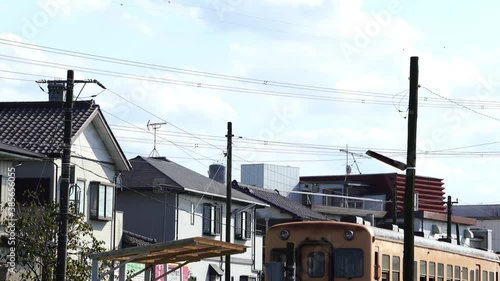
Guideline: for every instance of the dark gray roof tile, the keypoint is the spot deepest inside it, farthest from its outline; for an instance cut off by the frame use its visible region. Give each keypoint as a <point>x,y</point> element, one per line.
<point>278,201</point>
<point>38,126</point>
<point>149,172</point>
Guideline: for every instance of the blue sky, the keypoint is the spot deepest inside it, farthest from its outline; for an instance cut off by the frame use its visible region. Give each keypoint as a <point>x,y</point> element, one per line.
<point>359,46</point>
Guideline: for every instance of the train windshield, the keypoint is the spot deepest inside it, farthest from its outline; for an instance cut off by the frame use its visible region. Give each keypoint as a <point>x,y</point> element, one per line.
<point>348,263</point>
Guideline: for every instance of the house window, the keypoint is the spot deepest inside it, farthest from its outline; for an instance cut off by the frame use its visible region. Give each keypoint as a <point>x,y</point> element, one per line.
<point>243,228</point>
<point>77,197</point>
<point>193,207</point>
<point>212,219</point>
<point>101,201</point>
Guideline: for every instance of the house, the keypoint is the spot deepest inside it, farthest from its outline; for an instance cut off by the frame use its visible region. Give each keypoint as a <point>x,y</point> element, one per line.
<point>166,201</point>
<point>282,209</point>
<point>486,231</point>
<point>31,141</point>
<point>381,195</point>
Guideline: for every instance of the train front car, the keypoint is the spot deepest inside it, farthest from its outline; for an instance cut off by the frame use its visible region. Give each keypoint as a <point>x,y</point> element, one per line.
<point>319,251</point>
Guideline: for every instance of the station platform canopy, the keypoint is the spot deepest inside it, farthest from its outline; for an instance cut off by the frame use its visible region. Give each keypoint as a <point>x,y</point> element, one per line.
<point>182,251</point>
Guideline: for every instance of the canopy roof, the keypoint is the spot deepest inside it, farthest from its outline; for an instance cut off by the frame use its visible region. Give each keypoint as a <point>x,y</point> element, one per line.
<point>185,250</point>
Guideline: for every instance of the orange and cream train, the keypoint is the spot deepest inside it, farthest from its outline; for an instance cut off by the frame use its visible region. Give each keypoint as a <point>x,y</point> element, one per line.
<point>331,250</point>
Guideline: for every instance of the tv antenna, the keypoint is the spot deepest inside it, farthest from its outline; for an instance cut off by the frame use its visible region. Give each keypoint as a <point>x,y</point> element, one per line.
<point>348,168</point>
<point>154,126</point>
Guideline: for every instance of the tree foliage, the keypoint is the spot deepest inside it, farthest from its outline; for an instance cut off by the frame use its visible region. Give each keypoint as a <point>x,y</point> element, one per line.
<point>36,228</point>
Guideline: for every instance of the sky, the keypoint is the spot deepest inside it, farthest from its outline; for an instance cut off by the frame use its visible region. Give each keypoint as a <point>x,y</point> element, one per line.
<point>300,80</point>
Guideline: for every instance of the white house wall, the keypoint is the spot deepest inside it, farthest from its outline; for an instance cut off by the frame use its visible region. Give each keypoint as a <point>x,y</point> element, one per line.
<point>494,225</point>
<point>5,167</point>
<point>241,264</point>
<point>4,172</point>
<point>93,163</point>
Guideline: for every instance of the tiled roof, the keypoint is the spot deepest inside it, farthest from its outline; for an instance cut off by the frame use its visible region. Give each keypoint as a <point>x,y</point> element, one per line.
<point>279,201</point>
<point>12,150</point>
<point>38,126</point>
<point>130,239</point>
<point>150,172</point>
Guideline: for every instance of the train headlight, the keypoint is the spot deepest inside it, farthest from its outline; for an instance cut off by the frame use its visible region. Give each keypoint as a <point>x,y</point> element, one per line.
<point>349,235</point>
<point>284,234</point>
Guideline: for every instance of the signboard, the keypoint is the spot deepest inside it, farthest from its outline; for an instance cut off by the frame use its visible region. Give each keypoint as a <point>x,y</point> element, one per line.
<point>132,268</point>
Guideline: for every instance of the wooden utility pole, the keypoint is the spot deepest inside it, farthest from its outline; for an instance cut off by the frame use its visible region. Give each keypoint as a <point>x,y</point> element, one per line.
<point>409,202</point>
<point>229,187</point>
<point>62,236</point>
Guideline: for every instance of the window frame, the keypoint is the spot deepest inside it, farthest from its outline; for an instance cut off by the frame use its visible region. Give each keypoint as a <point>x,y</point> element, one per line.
<point>212,219</point>
<point>95,202</point>
<point>243,229</point>
<point>396,268</point>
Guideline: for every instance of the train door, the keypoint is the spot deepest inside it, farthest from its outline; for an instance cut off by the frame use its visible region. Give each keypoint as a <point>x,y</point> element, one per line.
<point>314,261</point>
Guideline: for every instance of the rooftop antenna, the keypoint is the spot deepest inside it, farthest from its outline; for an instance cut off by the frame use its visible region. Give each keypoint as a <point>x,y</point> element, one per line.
<point>348,169</point>
<point>154,126</point>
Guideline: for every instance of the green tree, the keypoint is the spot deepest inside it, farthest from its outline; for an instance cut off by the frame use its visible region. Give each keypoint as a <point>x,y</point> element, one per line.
<point>36,227</point>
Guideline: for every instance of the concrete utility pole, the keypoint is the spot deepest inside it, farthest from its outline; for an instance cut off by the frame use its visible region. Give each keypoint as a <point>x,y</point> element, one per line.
<point>409,202</point>
<point>229,187</point>
<point>62,235</point>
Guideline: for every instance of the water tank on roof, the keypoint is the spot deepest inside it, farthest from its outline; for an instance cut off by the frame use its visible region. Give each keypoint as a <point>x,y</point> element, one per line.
<point>217,172</point>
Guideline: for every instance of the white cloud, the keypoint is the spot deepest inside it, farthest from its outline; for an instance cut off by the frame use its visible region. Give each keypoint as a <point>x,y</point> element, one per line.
<point>136,23</point>
<point>296,3</point>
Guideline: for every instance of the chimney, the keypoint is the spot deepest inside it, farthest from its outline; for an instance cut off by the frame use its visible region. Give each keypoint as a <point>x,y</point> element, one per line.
<point>56,91</point>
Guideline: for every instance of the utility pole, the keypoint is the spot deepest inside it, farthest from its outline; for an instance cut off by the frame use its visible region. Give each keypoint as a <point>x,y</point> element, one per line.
<point>229,187</point>
<point>62,235</point>
<point>409,211</point>
<point>449,205</point>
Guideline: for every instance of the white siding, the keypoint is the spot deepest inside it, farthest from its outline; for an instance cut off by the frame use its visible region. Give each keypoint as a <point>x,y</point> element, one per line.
<point>4,172</point>
<point>93,163</point>
<point>283,178</point>
<point>253,174</point>
<point>187,230</point>
<point>494,225</point>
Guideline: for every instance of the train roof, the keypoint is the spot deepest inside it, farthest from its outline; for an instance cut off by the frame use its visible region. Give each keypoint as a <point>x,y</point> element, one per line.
<point>435,244</point>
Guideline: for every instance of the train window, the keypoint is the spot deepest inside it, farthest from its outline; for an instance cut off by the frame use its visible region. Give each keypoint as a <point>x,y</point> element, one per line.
<point>386,259</point>
<point>465,274</point>
<point>449,272</point>
<point>457,273</point>
<point>440,275</point>
<point>316,264</point>
<point>278,255</point>
<point>492,276</point>
<point>395,268</point>
<point>423,271</point>
<point>472,275</point>
<point>432,271</point>
<point>485,275</point>
<point>349,263</point>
